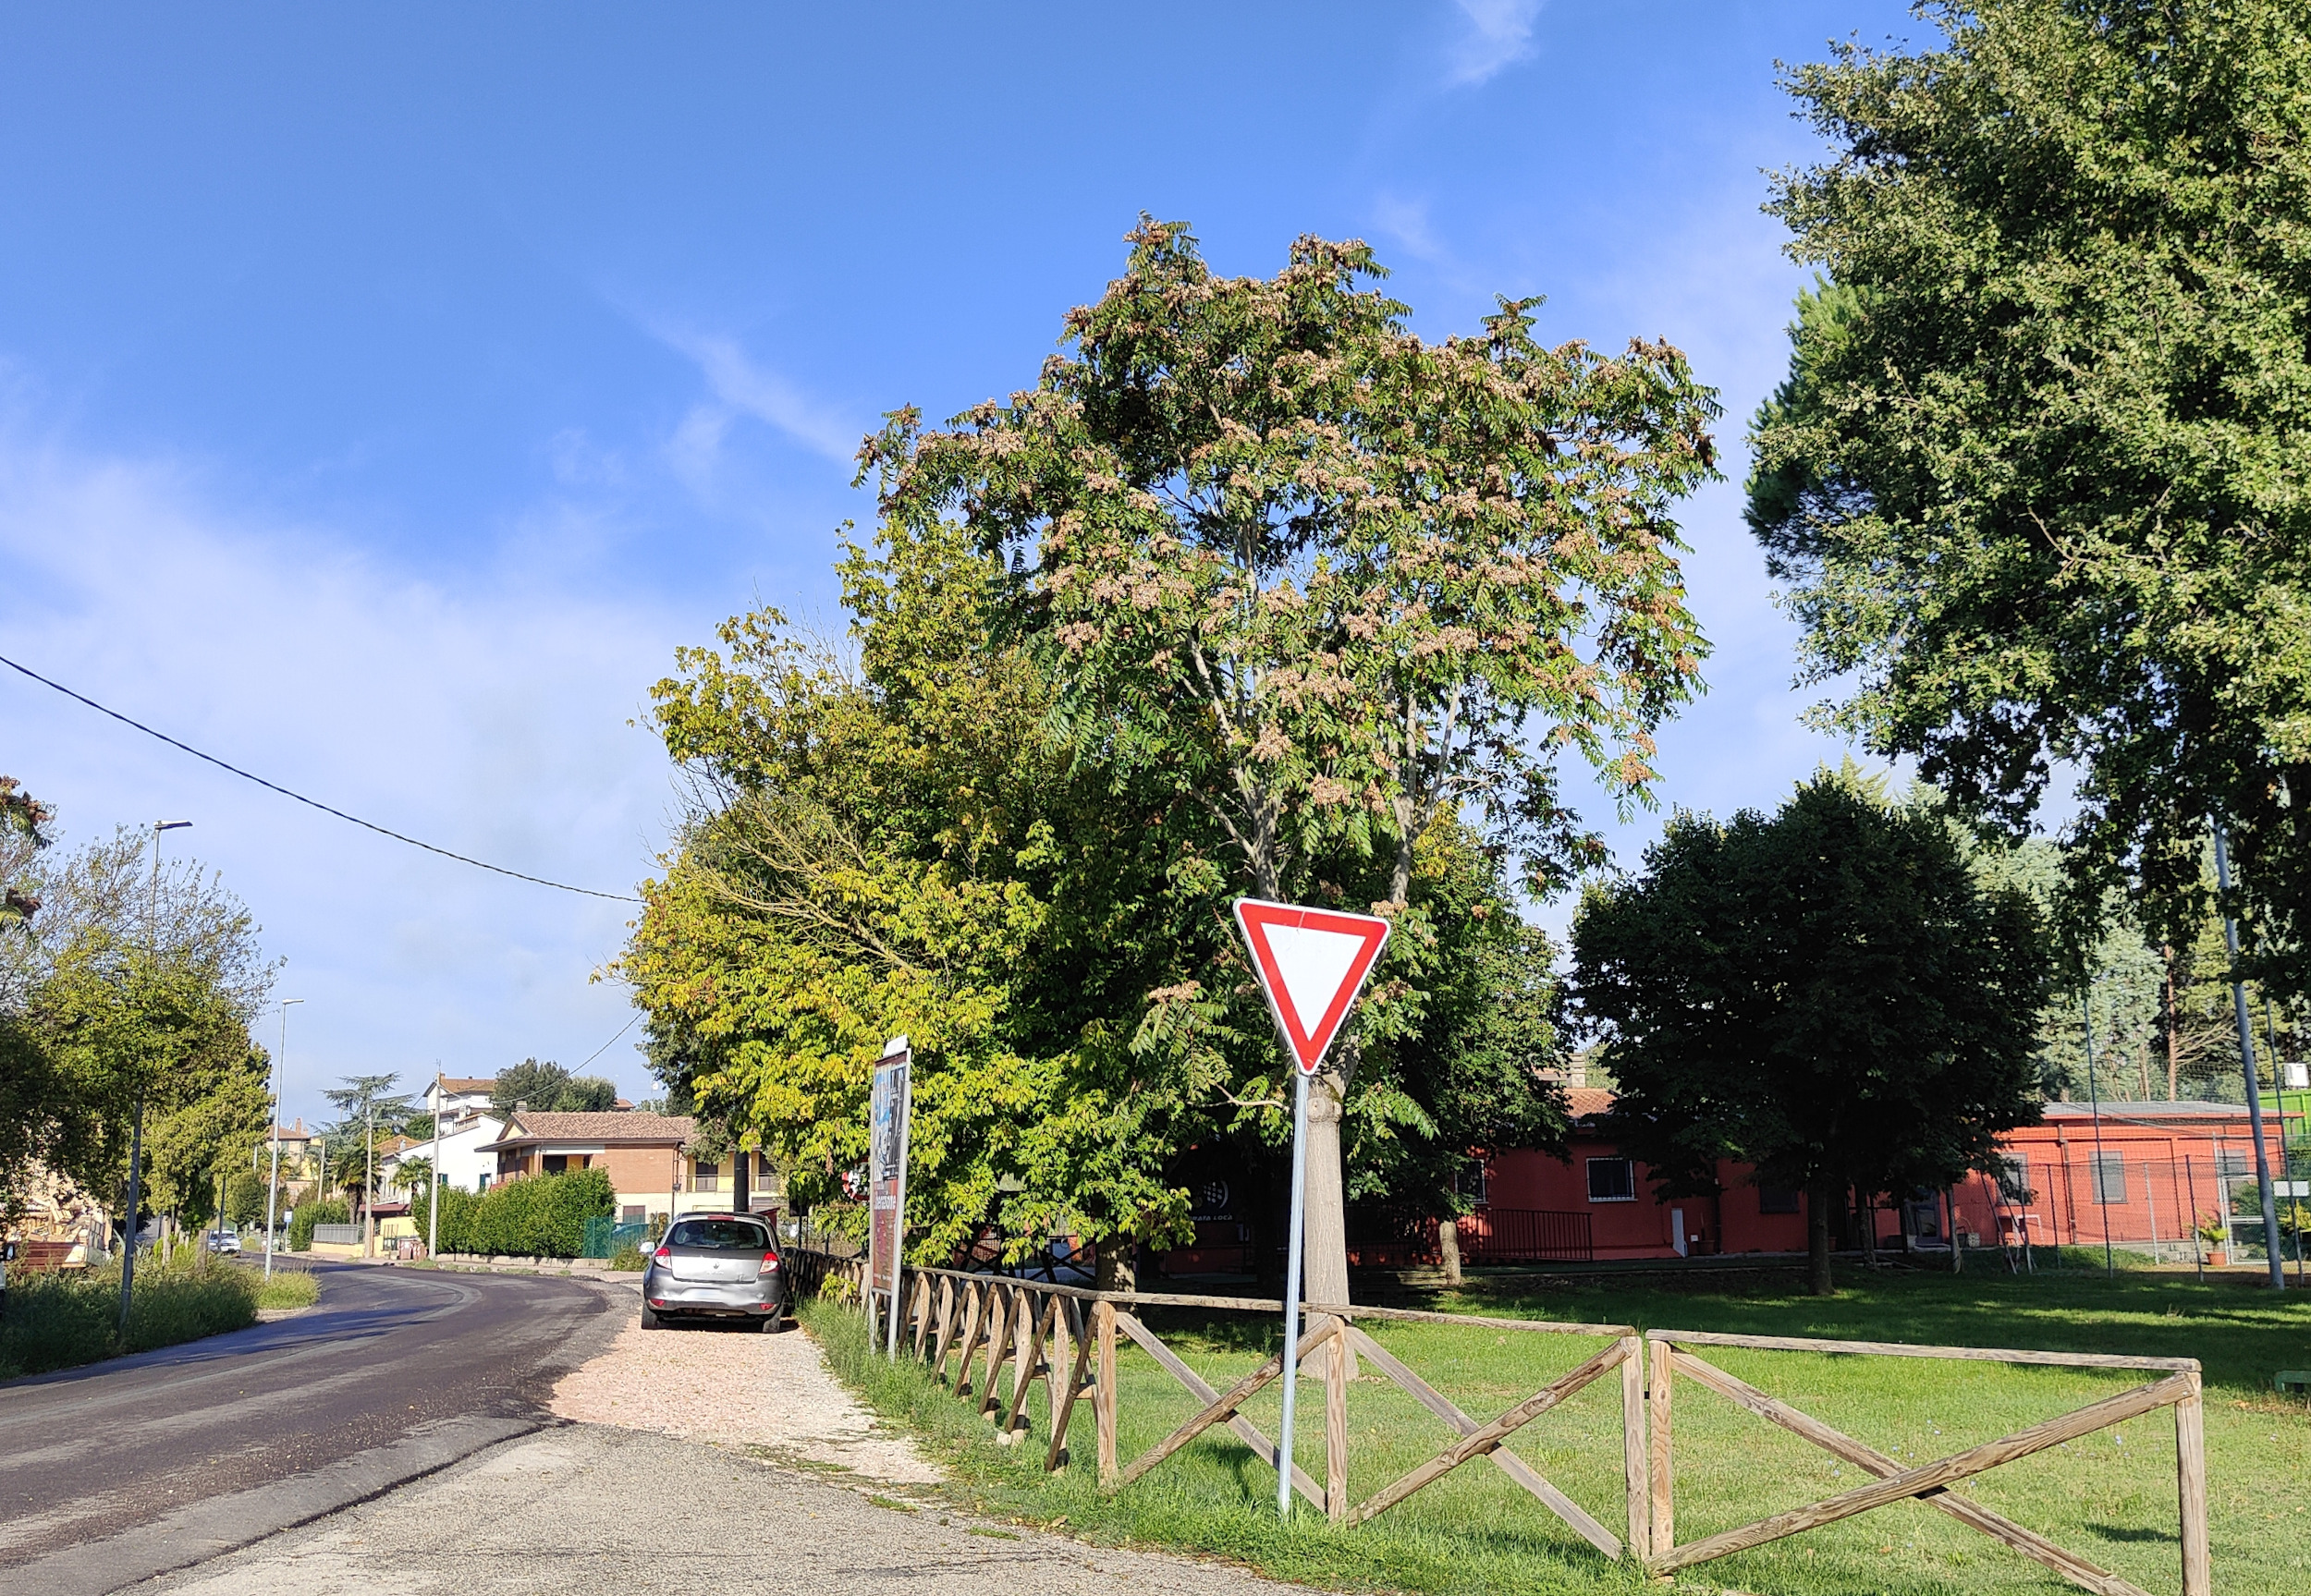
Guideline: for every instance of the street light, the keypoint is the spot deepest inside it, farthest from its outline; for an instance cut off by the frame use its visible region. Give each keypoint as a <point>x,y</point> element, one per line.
<point>136,1135</point>
<point>273,1188</point>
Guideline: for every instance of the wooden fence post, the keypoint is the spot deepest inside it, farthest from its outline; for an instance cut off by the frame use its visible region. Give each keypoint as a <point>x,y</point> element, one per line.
<point>1661,1513</point>
<point>1335,1378</point>
<point>2190,1458</point>
<point>998,1345</point>
<point>1104,1392</point>
<point>1633,1445</point>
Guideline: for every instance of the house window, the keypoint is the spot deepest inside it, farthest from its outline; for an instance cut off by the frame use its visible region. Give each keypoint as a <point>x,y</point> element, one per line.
<point>707,1175</point>
<point>631,1213</point>
<point>1777,1199</point>
<point>2110,1177</point>
<point>2013,1181</point>
<point>764,1169</point>
<point>1612,1180</point>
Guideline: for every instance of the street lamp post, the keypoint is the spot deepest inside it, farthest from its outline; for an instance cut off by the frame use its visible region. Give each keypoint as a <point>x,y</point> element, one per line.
<point>136,1135</point>
<point>273,1186</point>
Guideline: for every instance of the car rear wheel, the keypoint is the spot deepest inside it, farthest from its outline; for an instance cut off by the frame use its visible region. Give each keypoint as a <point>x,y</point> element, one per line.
<point>650,1320</point>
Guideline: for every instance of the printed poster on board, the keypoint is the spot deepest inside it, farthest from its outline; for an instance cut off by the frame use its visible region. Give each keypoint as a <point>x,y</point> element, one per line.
<point>887,1167</point>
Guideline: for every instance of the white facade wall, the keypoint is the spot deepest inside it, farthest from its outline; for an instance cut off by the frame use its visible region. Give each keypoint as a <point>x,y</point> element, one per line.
<point>462,1159</point>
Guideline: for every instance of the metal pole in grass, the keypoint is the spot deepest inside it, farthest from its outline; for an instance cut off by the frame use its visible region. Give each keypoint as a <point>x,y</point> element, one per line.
<point>2246,1059</point>
<point>2093,1097</point>
<point>1291,1293</point>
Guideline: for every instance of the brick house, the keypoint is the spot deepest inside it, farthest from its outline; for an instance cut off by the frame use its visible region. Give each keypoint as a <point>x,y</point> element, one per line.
<point>646,1156</point>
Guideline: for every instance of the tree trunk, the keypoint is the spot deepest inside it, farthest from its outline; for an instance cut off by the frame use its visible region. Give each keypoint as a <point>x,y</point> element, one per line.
<point>1869,1231</point>
<point>1448,1248</point>
<point>2175,1038</point>
<point>1324,1246</point>
<point>1817,1202</point>
<point>1115,1270</point>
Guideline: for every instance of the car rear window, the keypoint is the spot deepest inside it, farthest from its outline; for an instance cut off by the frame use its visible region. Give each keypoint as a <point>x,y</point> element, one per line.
<point>734,1234</point>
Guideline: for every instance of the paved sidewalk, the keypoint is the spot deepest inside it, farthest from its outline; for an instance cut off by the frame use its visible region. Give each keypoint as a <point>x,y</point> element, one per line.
<point>587,1510</point>
<point>770,1391</point>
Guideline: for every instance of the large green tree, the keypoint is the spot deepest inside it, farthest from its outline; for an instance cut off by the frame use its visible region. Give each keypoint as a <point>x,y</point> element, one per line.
<point>549,1089</point>
<point>1329,581</point>
<point>125,1032</point>
<point>2038,478</point>
<point>1829,996</point>
<point>893,843</point>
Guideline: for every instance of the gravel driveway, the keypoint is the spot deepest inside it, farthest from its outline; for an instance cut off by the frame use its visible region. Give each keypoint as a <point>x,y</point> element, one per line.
<point>739,1387</point>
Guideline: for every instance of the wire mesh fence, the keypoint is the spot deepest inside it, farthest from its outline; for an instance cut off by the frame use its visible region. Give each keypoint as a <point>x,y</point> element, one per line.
<point>2156,1202</point>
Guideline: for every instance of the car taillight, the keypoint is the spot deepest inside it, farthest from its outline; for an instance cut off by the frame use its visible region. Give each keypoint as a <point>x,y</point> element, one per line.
<point>664,1255</point>
<point>770,1264</point>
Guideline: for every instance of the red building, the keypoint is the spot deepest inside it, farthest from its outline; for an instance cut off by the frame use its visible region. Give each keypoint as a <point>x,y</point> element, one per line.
<point>2158,1171</point>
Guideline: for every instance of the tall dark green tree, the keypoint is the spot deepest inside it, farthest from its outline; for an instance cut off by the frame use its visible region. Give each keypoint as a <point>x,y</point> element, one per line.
<point>549,1089</point>
<point>1830,995</point>
<point>2038,479</point>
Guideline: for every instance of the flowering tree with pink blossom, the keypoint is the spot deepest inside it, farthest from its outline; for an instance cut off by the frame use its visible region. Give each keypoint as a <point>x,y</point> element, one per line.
<point>1334,583</point>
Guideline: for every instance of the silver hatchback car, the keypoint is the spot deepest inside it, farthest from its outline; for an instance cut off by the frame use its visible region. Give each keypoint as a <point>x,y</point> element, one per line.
<point>715,1266</point>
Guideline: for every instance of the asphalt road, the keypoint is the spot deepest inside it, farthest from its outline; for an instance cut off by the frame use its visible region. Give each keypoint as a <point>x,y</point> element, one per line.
<point>114,1473</point>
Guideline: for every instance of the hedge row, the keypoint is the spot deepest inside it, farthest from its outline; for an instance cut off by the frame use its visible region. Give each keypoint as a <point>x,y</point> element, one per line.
<point>540,1216</point>
<point>312,1212</point>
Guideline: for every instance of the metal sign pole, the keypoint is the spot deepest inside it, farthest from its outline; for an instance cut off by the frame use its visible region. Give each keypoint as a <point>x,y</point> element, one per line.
<point>1291,1293</point>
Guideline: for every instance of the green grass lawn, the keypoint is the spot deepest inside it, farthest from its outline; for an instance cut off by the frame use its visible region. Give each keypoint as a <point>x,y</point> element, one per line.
<point>2110,1498</point>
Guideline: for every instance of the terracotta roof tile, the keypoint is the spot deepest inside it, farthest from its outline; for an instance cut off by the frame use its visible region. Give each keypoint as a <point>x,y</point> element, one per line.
<point>612,1126</point>
<point>1588,1101</point>
<point>454,1084</point>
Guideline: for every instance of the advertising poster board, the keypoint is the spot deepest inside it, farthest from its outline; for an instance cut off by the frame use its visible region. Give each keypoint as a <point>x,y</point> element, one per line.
<point>887,1109</point>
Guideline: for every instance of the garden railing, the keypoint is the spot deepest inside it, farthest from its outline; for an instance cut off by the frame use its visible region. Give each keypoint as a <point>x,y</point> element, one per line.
<point>967,1327</point>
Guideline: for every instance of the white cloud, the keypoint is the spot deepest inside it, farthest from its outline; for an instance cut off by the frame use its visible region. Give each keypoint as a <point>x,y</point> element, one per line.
<point>741,387</point>
<point>1405,222</point>
<point>485,714</point>
<point>1498,34</point>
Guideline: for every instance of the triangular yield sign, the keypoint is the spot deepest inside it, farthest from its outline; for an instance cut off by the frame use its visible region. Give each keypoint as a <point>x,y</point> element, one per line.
<point>1312,962</point>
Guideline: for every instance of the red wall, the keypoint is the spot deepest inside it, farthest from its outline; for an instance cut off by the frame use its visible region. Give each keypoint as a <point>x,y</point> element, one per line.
<point>1640,1227</point>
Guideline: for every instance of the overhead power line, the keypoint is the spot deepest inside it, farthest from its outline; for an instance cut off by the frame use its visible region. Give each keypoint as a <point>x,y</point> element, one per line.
<point>313,803</point>
<point>598,1052</point>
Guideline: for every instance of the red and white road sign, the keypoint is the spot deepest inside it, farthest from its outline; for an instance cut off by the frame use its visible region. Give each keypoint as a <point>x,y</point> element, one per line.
<point>1311,963</point>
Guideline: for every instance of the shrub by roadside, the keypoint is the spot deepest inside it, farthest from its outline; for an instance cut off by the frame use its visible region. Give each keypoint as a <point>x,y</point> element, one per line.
<point>300,1235</point>
<point>287,1288</point>
<point>538,1216</point>
<point>62,1321</point>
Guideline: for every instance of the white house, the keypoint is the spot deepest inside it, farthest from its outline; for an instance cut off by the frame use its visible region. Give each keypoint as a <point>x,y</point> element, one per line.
<point>468,1128</point>
<point>459,1098</point>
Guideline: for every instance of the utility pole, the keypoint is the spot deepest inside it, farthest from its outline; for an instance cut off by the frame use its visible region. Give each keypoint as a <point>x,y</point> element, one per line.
<point>368,1177</point>
<point>136,1136</point>
<point>432,1198</point>
<point>2246,1059</point>
<point>273,1186</point>
<point>2093,1097</point>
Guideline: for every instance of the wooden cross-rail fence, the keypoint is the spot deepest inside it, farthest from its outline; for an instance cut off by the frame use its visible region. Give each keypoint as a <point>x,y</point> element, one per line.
<point>968,1327</point>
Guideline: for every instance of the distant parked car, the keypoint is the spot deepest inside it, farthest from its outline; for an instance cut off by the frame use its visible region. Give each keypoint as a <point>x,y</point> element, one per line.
<point>715,1266</point>
<point>223,1241</point>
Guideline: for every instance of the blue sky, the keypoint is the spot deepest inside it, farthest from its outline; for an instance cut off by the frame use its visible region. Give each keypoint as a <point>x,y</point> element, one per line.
<point>384,392</point>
